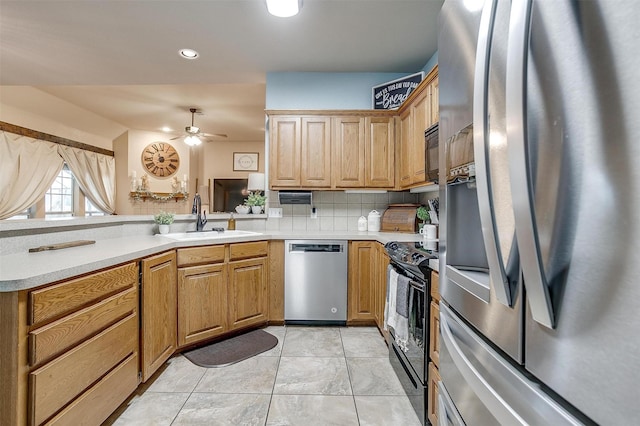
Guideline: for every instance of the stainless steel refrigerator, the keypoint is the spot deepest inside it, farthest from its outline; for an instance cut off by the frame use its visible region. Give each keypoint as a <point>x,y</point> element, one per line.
<point>539,233</point>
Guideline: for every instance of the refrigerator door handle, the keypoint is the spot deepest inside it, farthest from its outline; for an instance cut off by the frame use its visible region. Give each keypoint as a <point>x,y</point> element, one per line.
<point>535,280</point>
<point>481,148</point>
<point>487,394</point>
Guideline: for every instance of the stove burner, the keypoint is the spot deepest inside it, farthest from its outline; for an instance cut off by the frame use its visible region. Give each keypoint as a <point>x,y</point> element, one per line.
<point>410,257</point>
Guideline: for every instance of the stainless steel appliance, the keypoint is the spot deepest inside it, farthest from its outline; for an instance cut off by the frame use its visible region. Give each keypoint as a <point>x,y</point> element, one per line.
<point>431,141</point>
<point>537,277</point>
<point>315,282</point>
<point>411,260</point>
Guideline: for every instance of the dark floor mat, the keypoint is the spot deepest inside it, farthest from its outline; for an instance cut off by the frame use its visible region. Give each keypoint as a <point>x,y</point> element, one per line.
<point>232,350</point>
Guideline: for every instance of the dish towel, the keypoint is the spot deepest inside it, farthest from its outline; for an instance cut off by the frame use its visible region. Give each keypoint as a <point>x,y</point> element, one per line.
<point>397,307</point>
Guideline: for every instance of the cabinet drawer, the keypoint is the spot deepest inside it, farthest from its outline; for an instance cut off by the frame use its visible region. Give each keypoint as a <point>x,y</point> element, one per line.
<point>247,250</point>
<point>200,255</point>
<point>58,336</point>
<point>69,296</point>
<point>95,405</point>
<point>57,383</point>
<point>435,286</point>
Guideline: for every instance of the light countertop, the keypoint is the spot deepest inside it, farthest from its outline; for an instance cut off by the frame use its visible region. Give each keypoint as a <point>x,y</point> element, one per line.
<point>24,270</point>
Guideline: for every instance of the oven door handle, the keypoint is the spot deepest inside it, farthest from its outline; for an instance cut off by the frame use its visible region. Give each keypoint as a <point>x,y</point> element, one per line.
<point>418,286</point>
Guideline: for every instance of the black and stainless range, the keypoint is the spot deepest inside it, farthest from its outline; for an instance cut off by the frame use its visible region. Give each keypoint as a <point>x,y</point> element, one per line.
<point>410,365</point>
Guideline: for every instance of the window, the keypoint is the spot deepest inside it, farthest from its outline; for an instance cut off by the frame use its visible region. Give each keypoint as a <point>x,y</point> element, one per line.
<point>64,198</point>
<point>58,201</point>
<point>90,209</point>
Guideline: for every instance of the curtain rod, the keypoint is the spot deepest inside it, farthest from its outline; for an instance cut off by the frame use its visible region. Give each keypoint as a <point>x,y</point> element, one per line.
<point>23,131</point>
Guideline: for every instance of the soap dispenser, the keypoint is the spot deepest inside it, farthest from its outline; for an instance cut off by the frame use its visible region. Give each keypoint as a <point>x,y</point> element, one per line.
<point>231,224</point>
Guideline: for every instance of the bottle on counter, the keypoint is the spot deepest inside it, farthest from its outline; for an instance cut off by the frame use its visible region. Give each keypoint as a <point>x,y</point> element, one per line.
<point>231,224</point>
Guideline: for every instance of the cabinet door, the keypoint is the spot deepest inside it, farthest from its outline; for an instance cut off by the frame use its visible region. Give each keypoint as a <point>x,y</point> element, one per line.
<point>432,394</point>
<point>435,96</point>
<point>362,271</point>
<point>434,333</point>
<point>381,294</point>
<point>247,292</point>
<point>421,117</point>
<point>379,152</point>
<point>406,149</point>
<point>159,311</point>
<point>315,167</point>
<point>348,152</point>
<point>202,303</point>
<point>284,142</point>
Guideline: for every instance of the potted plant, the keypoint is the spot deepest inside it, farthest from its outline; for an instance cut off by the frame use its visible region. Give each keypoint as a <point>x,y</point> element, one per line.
<point>163,219</point>
<point>423,215</point>
<point>256,201</point>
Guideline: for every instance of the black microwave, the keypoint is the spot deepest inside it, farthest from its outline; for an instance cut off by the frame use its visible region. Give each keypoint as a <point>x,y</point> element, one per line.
<point>431,152</point>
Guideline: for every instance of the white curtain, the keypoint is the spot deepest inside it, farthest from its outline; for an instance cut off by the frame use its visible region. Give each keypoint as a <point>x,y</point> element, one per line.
<point>95,174</point>
<point>28,167</point>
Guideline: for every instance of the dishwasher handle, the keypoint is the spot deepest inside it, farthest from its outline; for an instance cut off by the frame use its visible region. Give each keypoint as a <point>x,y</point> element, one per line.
<point>316,248</point>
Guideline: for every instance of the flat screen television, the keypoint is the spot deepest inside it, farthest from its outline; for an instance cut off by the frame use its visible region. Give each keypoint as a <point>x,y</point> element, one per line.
<point>228,193</point>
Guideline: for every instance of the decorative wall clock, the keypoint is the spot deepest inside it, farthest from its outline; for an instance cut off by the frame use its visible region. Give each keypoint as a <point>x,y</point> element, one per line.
<point>160,159</point>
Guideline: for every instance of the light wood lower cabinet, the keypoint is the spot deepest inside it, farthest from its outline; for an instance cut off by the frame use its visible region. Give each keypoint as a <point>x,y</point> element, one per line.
<point>276,282</point>
<point>226,290</point>
<point>361,303</point>
<point>248,304</point>
<point>69,352</point>
<point>432,394</point>
<point>202,303</point>
<point>367,283</point>
<point>159,311</point>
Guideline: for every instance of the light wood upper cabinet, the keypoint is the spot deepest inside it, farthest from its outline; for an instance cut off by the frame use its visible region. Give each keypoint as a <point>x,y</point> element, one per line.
<point>379,152</point>
<point>406,149</point>
<point>159,311</point>
<point>348,152</point>
<point>421,119</point>
<point>300,152</point>
<point>284,148</point>
<point>202,303</point>
<point>315,170</point>
<point>417,114</point>
<point>337,149</point>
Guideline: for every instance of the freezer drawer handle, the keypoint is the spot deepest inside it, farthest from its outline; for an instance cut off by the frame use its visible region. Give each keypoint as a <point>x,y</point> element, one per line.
<point>447,413</point>
<point>483,390</point>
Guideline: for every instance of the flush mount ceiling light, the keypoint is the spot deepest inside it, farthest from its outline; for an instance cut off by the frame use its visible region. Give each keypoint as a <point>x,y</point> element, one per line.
<point>283,8</point>
<point>189,53</point>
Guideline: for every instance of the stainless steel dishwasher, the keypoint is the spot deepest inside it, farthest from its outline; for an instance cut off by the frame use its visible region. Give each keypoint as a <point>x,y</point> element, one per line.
<point>315,282</point>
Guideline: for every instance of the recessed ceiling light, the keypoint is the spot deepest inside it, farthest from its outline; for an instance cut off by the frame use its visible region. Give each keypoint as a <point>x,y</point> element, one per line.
<point>283,8</point>
<point>166,129</point>
<point>189,53</point>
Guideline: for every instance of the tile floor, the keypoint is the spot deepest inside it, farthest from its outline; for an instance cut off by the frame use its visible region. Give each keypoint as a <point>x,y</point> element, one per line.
<point>314,376</point>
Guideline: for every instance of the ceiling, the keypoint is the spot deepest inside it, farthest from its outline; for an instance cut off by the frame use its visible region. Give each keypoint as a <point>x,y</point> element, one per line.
<point>119,59</point>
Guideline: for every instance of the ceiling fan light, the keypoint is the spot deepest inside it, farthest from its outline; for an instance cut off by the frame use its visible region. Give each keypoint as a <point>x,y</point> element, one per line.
<point>283,8</point>
<point>192,140</point>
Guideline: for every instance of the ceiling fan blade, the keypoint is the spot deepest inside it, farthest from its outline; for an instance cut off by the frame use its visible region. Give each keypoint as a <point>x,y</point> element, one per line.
<point>214,135</point>
<point>177,137</point>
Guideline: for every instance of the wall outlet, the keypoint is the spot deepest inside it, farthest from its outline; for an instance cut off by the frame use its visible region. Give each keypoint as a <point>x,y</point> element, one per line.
<point>314,213</point>
<point>275,212</point>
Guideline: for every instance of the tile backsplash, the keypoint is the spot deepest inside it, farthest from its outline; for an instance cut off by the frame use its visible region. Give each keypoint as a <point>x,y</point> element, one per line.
<point>336,210</point>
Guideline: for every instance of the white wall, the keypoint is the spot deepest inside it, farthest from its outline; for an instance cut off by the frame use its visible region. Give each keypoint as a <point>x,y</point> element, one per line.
<point>37,110</point>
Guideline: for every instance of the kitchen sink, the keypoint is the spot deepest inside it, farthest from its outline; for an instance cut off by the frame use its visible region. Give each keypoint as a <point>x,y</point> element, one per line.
<point>204,235</point>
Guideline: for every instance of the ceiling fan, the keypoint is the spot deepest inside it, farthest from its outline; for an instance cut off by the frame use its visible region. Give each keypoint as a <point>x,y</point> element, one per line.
<point>193,136</point>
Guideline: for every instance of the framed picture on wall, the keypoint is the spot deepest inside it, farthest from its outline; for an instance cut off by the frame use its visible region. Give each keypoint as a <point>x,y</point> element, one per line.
<point>245,161</point>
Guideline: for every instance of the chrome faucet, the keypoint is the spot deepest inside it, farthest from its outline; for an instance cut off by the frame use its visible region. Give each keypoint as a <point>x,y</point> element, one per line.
<point>201,219</point>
